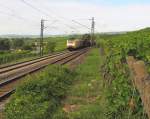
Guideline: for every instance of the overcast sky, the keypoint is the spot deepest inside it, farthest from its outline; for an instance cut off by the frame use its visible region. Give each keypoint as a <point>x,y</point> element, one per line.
<point>19,17</point>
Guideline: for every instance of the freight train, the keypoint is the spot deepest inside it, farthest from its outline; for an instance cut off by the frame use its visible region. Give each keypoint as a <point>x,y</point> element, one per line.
<point>76,43</point>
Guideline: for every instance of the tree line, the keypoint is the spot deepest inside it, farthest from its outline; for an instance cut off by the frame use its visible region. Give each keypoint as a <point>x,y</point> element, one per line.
<point>7,44</point>
<point>14,44</point>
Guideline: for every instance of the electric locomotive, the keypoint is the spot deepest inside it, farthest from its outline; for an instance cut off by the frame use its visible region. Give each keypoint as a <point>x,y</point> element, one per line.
<point>76,43</point>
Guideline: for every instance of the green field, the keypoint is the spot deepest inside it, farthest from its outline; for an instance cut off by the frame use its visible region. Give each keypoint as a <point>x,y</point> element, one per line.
<point>56,44</point>
<point>60,42</point>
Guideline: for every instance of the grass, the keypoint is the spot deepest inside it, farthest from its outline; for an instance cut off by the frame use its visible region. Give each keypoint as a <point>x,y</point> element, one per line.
<point>13,57</point>
<point>85,99</point>
<point>60,42</point>
<point>19,60</point>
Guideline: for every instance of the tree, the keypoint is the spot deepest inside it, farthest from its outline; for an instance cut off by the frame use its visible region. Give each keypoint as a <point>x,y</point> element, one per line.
<point>27,47</point>
<point>4,44</point>
<point>86,37</point>
<point>18,43</point>
<point>50,46</point>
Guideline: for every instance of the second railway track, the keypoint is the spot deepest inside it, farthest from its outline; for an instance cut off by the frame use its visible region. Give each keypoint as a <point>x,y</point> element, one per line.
<point>9,76</point>
<point>25,63</point>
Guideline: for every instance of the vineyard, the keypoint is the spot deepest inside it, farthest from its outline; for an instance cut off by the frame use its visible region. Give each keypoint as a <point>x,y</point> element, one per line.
<point>123,99</point>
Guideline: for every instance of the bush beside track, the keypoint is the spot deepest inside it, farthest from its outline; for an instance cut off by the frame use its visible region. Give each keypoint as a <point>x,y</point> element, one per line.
<point>40,95</point>
<point>9,57</point>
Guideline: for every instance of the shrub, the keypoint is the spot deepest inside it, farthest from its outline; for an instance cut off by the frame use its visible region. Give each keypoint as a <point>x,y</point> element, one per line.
<point>40,95</point>
<point>9,57</point>
<point>50,47</point>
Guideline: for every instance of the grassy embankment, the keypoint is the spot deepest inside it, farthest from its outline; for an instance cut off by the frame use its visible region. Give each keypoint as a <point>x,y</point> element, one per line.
<point>85,98</point>
<point>61,94</point>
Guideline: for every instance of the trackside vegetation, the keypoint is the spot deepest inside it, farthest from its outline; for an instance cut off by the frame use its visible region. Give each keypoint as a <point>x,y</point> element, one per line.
<point>85,98</point>
<point>40,95</point>
<point>6,57</point>
<point>87,91</point>
<point>49,94</point>
<point>123,99</point>
<point>22,49</point>
<point>99,88</point>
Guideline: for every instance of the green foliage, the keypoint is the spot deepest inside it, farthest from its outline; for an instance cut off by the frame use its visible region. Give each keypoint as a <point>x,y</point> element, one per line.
<point>88,112</point>
<point>27,47</point>
<point>50,47</point>
<point>40,95</point>
<point>60,42</point>
<point>86,92</point>
<point>18,43</point>
<point>6,57</point>
<point>74,36</point>
<point>86,37</point>
<point>4,44</point>
<point>116,73</point>
<point>60,114</point>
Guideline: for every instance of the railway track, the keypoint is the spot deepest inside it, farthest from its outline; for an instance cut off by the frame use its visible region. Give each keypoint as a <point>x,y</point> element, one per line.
<point>19,64</point>
<point>10,76</point>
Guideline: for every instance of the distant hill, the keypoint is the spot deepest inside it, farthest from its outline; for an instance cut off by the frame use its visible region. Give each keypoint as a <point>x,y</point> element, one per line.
<point>146,30</point>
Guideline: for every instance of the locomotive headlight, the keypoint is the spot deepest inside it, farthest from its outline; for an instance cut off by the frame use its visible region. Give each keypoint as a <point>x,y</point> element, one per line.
<point>73,44</point>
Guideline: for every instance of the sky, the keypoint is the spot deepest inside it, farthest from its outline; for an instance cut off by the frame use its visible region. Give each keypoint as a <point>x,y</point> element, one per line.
<point>23,17</point>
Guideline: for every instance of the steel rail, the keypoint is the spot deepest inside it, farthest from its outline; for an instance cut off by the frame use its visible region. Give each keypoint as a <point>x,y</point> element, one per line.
<point>18,65</point>
<point>61,61</point>
<point>9,65</point>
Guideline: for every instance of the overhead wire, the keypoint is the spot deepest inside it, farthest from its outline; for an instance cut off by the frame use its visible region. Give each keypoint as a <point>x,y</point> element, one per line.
<point>35,8</point>
<point>81,24</point>
<point>39,10</point>
<point>74,21</point>
<point>14,15</point>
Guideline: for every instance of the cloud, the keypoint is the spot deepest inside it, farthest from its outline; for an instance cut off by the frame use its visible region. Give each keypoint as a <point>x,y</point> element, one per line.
<point>108,17</point>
